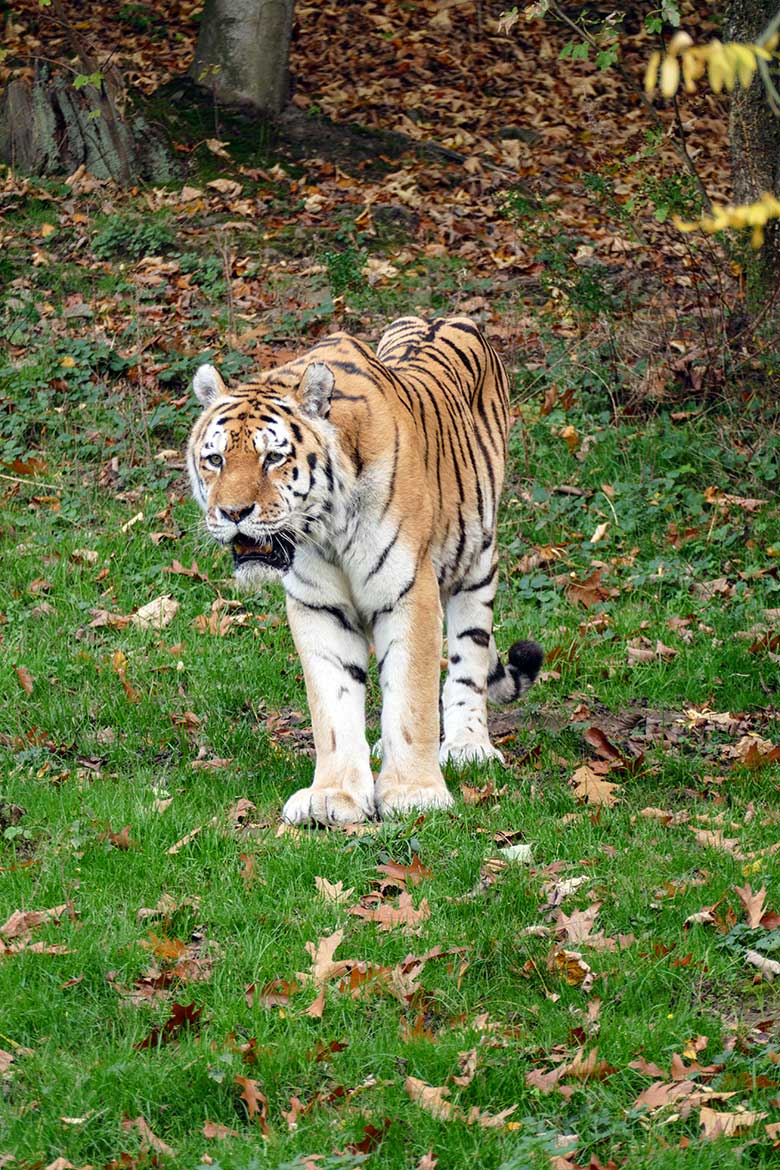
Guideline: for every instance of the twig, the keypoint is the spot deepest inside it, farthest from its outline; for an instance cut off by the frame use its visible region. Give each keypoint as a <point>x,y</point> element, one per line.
<point>682,149</point>
<point>639,93</point>
<point>35,483</point>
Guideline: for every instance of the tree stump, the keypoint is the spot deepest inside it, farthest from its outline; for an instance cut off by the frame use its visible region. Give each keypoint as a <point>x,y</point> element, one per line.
<point>48,127</point>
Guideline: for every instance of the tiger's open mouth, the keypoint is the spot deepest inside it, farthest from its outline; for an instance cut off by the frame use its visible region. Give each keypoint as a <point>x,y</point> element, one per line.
<point>275,551</point>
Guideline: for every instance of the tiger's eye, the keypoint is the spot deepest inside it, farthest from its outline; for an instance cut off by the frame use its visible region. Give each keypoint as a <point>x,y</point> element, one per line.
<point>214,460</point>
<point>273,458</point>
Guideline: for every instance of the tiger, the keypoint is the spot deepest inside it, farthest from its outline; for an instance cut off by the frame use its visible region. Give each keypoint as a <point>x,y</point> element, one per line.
<point>368,483</point>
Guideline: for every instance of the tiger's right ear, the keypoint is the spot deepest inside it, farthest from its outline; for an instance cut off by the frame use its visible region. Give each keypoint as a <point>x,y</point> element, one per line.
<point>208,385</point>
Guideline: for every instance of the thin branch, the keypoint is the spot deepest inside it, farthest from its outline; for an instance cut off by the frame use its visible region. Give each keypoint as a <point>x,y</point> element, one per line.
<point>679,145</point>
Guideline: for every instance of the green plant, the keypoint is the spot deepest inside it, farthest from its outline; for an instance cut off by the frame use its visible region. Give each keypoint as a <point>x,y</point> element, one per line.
<point>119,236</point>
<point>345,270</point>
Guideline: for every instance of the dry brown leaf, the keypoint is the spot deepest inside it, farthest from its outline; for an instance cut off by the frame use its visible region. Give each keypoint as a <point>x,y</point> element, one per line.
<point>768,969</point>
<point>388,917</point>
<point>467,1063</point>
<point>333,892</point>
<point>754,904</point>
<point>84,556</point>
<point>577,927</point>
<point>324,966</point>
<point>185,840</point>
<point>23,922</point>
<point>427,1162</point>
<point>148,1139</point>
<point>212,1130</point>
<point>476,1116</point>
<point>431,1098</point>
<point>715,1124</point>
<point>157,614</point>
<point>717,840</point>
<point>573,968</point>
<point>254,1100</point>
<point>227,187</point>
<point>26,681</point>
<point>593,789</point>
<point>404,875</point>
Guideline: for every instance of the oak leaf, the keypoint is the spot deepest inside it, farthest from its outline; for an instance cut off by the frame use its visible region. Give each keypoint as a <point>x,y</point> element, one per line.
<point>404,915</point>
<point>754,904</point>
<point>149,1140</point>
<point>254,1100</point>
<point>431,1098</point>
<point>715,1124</point>
<point>592,789</point>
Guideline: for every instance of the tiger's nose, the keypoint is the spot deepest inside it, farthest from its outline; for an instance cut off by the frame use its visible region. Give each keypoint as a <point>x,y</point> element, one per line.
<point>236,515</point>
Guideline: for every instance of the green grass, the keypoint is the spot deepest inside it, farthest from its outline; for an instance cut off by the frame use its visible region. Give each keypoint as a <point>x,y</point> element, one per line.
<point>106,733</point>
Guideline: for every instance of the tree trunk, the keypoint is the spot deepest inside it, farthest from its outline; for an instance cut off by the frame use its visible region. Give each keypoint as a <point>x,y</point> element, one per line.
<point>754,134</point>
<point>242,53</point>
<point>48,127</point>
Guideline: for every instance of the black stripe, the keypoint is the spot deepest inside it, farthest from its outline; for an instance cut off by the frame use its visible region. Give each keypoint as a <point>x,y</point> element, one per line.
<point>356,672</point>
<point>481,637</point>
<point>382,557</point>
<point>333,611</point>
<point>486,580</point>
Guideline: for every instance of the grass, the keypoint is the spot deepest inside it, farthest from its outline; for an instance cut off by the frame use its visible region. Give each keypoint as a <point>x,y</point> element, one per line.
<point>116,716</point>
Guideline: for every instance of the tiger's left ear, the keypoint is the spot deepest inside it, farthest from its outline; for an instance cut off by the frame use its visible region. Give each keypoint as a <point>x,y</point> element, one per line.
<point>207,385</point>
<point>316,389</point>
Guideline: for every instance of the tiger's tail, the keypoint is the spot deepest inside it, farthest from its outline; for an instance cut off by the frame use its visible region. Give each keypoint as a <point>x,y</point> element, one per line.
<point>507,683</point>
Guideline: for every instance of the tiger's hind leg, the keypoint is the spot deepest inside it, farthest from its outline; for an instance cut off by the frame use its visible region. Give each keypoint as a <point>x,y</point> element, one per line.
<point>470,642</point>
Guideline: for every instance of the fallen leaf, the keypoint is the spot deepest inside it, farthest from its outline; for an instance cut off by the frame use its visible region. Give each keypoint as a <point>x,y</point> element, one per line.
<point>592,789</point>
<point>274,994</point>
<point>403,874</point>
<point>212,1130</point>
<point>768,969</point>
<point>183,1017</point>
<point>598,740</point>
<point>476,1116</point>
<point>254,1100</point>
<point>84,556</point>
<point>22,922</point>
<point>228,187</point>
<point>467,1063</point>
<point>26,681</point>
<point>715,1124</point>
<point>388,917</point>
<point>148,1139</point>
<point>333,892</point>
<point>590,591</point>
<point>431,1098</point>
<point>753,904</point>
<point>573,967</point>
<point>157,614</point>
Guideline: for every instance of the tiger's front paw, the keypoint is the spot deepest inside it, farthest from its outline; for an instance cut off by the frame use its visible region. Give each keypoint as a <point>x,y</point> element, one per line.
<point>329,804</point>
<point>462,752</point>
<point>394,795</point>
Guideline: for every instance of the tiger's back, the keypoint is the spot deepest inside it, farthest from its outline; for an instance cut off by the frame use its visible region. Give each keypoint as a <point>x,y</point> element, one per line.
<point>454,386</point>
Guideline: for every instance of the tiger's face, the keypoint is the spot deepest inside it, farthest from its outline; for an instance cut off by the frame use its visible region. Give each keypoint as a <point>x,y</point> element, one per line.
<point>260,465</point>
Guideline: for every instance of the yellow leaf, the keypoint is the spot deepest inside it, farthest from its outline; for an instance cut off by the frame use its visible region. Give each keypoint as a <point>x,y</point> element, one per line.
<point>745,64</point>
<point>118,661</point>
<point>68,362</point>
<point>47,229</point>
<point>651,72</point>
<point>670,76</point>
<point>680,41</point>
<point>570,437</point>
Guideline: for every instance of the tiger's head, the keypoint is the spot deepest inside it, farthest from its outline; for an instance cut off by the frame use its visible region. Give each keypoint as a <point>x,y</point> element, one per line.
<point>261,464</point>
